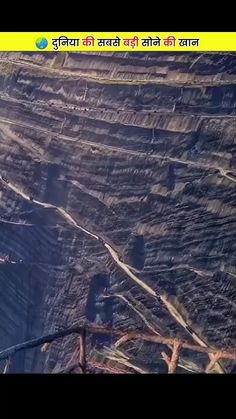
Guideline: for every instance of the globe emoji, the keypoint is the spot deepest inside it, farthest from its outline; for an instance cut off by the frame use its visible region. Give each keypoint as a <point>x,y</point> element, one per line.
<point>41,43</point>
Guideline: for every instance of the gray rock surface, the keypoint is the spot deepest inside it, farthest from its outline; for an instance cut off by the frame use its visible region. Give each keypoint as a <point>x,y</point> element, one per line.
<point>139,149</point>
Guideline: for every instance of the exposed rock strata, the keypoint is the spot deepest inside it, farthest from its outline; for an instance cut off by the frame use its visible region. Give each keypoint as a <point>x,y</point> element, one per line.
<point>140,150</point>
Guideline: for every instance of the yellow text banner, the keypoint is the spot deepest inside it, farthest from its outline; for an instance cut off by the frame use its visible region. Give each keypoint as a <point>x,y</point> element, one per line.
<point>118,41</point>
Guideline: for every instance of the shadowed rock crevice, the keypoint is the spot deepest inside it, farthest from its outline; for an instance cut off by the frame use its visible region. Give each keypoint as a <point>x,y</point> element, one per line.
<point>99,309</point>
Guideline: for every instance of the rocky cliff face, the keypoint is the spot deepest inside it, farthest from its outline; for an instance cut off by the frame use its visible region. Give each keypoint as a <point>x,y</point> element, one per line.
<point>130,161</point>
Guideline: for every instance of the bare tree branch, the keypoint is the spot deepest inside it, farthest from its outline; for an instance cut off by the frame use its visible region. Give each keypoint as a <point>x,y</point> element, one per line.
<point>166,358</point>
<point>39,341</point>
<point>175,357</point>
<point>7,366</point>
<point>112,370</point>
<point>94,329</point>
<point>82,355</point>
<point>213,361</point>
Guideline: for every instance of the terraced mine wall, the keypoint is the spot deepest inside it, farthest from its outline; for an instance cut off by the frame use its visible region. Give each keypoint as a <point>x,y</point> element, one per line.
<point>139,149</point>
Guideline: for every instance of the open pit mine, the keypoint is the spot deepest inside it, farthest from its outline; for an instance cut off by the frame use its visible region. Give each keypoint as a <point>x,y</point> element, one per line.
<point>117,209</point>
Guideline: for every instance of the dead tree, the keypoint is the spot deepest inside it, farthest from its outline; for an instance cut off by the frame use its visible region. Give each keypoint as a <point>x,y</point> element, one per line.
<point>172,362</point>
